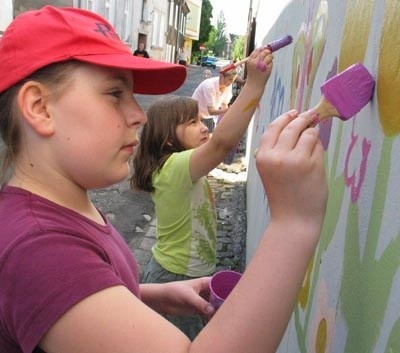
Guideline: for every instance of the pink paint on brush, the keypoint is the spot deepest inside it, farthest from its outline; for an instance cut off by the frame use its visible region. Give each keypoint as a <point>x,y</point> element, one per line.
<point>345,94</point>
<point>349,91</point>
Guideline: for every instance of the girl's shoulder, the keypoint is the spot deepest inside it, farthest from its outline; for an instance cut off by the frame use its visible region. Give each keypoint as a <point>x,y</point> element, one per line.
<point>175,170</point>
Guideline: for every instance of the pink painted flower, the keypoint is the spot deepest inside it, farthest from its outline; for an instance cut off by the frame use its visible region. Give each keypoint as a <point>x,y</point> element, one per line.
<point>357,169</point>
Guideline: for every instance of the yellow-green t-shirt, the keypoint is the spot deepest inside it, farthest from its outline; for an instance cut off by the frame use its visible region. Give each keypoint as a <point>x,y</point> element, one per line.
<point>186,219</point>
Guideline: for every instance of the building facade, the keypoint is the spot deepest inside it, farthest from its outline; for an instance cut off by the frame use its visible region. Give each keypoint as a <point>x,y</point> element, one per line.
<point>159,24</point>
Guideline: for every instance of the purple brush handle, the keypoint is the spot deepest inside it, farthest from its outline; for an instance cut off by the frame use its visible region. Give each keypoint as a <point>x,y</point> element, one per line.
<point>280,43</point>
<point>273,46</point>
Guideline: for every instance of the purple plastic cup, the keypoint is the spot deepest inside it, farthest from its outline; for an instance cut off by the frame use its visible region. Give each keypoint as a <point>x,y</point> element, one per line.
<point>221,285</point>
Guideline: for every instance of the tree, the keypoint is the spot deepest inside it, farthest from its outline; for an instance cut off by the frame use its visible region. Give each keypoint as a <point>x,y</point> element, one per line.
<point>239,47</point>
<point>220,40</point>
<point>205,25</point>
<point>212,40</point>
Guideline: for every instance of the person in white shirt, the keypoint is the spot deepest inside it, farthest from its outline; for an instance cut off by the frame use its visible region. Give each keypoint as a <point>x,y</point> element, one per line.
<point>213,96</point>
<point>182,56</point>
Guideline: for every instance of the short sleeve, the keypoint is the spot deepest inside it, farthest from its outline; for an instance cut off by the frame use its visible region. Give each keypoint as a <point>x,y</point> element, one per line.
<point>175,173</point>
<point>59,270</point>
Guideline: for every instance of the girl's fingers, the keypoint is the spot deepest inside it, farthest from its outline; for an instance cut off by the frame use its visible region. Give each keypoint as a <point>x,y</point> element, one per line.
<point>270,137</point>
<point>288,132</point>
<point>264,60</point>
<point>289,136</point>
<point>308,142</point>
<point>261,54</point>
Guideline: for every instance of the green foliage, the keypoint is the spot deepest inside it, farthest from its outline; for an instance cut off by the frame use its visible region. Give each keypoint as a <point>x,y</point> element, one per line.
<point>205,25</point>
<point>239,47</point>
<point>212,39</point>
<point>220,36</point>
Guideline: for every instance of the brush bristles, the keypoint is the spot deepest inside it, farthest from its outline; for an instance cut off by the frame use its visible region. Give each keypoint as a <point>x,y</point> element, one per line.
<point>350,90</point>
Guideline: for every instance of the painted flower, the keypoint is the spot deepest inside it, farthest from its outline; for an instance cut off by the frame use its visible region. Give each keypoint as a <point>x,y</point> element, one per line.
<point>354,175</point>
<point>322,329</point>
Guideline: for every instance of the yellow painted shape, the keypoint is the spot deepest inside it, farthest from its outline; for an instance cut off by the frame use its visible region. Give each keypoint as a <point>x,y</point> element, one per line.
<point>388,82</point>
<point>355,32</point>
<point>305,288</point>
<point>321,337</point>
<point>318,40</point>
<point>253,103</point>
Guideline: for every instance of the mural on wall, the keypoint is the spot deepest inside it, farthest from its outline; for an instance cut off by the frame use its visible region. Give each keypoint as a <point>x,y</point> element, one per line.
<point>349,298</point>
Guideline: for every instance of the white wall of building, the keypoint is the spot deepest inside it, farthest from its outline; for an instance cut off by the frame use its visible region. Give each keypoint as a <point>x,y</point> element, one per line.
<point>6,14</point>
<point>349,301</point>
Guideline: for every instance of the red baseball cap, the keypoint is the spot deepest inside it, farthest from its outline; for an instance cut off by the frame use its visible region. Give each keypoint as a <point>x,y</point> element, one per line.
<point>42,37</point>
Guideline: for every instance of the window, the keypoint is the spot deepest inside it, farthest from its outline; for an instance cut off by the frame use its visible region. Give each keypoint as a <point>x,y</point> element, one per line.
<point>110,11</point>
<point>126,23</point>
<point>158,30</point>
<point>88,5</point>
<point>145,11</point>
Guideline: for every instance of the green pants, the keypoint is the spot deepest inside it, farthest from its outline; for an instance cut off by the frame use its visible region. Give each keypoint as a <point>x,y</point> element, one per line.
<point>154,273</point>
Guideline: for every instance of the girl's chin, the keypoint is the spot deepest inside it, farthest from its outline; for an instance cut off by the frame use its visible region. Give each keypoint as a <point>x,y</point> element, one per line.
<point>121,176</point>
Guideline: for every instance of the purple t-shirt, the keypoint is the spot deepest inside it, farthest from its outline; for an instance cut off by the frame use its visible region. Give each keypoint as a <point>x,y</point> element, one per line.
<point>51,258</point>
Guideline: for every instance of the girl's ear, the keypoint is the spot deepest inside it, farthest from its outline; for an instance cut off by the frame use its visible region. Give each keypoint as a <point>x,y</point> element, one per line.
<point>32,101</point>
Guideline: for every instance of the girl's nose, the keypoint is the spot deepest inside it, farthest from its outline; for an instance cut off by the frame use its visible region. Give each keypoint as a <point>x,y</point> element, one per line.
<point>204,128</point>
<point>136,115</point>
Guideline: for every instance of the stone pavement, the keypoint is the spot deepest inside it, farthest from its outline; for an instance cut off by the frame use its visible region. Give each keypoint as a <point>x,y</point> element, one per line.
<point>132,212</point>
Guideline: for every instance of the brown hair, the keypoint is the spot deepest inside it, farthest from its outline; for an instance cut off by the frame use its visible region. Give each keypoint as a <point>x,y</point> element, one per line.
<point>158,138</point>
<point>52,75</point>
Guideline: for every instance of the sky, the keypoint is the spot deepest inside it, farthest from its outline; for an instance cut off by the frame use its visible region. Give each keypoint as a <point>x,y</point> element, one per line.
<point>236,13</point>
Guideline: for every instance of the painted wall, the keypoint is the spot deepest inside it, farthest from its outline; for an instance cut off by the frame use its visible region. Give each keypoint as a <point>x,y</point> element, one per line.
<point>350,299</point>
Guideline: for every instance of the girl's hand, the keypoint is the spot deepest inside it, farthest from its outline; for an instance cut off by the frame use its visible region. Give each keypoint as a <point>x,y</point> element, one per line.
<point>290,164</point>
<point>259,67</point>
<point>180,297</point>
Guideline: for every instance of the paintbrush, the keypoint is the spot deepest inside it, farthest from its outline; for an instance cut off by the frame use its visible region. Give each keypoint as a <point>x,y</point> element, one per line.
<point>273,46</point>
<point>345,94</point>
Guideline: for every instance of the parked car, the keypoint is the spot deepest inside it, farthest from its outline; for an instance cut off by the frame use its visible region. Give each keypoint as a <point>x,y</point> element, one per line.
<point>210,61</point>
<point>201,59</point>
<point>222,62</point>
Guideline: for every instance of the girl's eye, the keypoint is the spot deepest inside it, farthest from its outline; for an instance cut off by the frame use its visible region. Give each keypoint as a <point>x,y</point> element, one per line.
<point>116,93</point>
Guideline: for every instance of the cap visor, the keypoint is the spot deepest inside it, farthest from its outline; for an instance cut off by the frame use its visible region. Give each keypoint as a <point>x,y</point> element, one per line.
<point>149,76</point>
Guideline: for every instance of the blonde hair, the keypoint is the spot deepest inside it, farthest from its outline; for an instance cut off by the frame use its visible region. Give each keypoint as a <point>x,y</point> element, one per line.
<point>230,73</point>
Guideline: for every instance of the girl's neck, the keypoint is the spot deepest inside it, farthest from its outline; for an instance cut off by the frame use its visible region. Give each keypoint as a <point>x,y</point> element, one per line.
<point>67,195</point>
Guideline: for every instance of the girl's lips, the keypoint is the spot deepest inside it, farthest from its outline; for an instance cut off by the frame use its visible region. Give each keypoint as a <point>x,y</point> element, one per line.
<point>129,147</point>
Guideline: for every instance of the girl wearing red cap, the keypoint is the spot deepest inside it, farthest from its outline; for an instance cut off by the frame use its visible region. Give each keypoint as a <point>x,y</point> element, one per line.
<point>69,123</point>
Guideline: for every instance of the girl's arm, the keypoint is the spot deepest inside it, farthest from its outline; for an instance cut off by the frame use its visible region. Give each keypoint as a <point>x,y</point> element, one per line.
<point>179,297</point>
<point>232,127</point>
<point>290,163</point>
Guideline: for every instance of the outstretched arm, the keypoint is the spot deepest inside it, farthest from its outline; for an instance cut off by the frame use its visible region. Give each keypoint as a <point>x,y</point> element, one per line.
<point>290,163</point>
<point>229,131</point>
